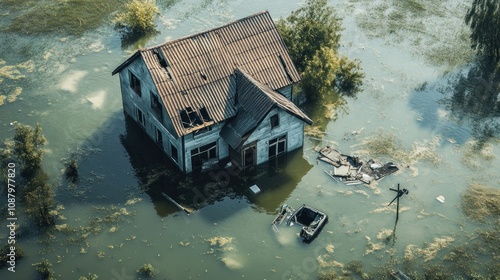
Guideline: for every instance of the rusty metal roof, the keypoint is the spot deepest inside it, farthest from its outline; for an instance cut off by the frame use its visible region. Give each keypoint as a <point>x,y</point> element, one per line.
<point>196,72</point>
<point>255,100</point>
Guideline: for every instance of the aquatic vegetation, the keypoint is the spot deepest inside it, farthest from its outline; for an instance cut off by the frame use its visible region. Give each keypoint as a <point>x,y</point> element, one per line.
<point>372,247</point>
<point>19,254</point>
<point>147,270</point>
<point>72,17</point>
<point>90,276</point>
<point>412,24</point>
<point>44,268</point>
<point>386,145</point>
<point>220,241</point>
<point>480,202</point>
<point>133,201</point>
<point>12,73</point>
<point>430,251</point>
<point>330,248</point>
<point>476,153</point>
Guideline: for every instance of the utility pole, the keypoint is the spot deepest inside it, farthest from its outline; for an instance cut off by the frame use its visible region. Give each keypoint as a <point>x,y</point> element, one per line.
<point>399,194</point>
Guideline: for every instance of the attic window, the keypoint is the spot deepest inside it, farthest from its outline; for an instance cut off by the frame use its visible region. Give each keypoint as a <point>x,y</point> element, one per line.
<point>161,59</point>
<point>285,67</point>
<point>204,114</point>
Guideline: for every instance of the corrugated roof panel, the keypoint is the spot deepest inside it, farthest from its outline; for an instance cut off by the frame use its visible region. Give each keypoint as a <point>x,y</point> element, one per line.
<point>252,43</point>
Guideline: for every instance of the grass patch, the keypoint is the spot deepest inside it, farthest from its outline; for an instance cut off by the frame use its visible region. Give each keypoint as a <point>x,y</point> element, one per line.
<point>71,17</point>
<point>480,202</point>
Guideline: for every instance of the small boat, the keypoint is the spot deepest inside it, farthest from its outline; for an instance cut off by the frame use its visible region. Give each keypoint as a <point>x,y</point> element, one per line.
<point>311,219</point>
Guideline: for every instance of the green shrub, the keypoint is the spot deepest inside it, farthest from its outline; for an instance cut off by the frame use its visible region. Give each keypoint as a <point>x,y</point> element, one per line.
<point>139,16</point>
<point>147,270</point>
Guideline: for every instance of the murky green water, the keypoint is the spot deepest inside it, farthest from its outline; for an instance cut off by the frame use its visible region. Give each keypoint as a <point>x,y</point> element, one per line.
<point>118,219</point>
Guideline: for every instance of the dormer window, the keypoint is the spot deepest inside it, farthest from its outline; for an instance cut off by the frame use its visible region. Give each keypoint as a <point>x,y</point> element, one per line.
<point>135,84</point>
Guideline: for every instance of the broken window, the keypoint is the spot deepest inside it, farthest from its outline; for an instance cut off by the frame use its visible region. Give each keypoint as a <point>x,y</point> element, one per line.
<point>135,84</point>
<point>277,146</point>
<point>156,105</point>
<point>275,121</point>
<point>203,153</point>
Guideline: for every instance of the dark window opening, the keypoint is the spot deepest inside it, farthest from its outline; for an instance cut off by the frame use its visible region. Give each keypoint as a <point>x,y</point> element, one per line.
<point>156,105</point>
<point>204,114</point>
<point>140,117</point>
<point>135,84</point>
<point>277,147</point>
<point>275,121</point>
<point>203,153</point>
<point>159,137</point>
<point>174,153</point>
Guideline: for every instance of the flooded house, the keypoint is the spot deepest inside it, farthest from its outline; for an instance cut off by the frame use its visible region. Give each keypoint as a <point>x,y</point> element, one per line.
<point>225,93</point>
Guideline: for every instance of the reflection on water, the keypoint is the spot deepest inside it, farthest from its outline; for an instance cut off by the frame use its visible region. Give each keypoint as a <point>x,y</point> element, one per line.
<point>276,179</point>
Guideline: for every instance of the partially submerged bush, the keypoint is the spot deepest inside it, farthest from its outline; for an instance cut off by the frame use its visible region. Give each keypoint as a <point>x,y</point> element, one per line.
<point>147,270</point>
<point>71,171</point>
<point>44,268</point>
<point>139,16</point>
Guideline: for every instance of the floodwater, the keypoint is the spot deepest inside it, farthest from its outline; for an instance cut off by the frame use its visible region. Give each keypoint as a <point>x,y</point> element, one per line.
<point>115,219</point>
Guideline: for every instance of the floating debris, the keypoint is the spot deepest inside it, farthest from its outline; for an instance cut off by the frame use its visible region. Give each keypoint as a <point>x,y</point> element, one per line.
<point>220,241</point>
<point>440,199</point>
<point>133,201</point>
<point>351,170</point>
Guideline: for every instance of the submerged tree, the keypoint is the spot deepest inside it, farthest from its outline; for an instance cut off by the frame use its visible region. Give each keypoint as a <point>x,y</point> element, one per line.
<point>312,35</point>
<point>484,20</point>
<point>27,148</point>
<point>139,16</point>
<point>37,195</point>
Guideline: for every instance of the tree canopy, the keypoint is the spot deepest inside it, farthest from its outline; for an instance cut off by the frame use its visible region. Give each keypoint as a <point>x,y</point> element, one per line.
<point>484,20</point>
<point>312,35</point>
<point>308,29</point>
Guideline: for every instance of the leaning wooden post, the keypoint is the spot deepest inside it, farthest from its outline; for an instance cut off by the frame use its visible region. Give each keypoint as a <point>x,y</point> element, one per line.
<point>397,206</point>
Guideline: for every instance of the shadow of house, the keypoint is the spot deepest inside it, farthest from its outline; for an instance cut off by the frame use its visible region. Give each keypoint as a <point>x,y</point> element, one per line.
<point>223,93</point>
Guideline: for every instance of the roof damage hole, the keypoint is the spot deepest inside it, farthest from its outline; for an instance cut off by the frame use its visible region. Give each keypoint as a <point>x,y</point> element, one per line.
<point>285,67</point>
<point>204,114</point>
<point>190,118</point>
<point>161,59</point>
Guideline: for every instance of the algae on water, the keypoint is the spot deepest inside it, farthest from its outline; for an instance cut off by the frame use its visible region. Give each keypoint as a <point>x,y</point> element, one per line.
<point>480,202</point>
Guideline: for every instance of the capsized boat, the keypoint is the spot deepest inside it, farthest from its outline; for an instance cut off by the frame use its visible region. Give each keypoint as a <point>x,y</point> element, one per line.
<point>311,219</point>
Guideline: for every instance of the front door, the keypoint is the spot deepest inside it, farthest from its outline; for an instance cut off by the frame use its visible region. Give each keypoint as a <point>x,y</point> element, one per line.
<point>249,156</point>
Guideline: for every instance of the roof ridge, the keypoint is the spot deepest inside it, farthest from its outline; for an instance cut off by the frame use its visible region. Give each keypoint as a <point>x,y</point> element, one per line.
<point>206,31</point>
